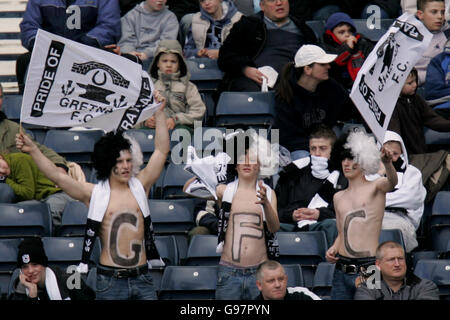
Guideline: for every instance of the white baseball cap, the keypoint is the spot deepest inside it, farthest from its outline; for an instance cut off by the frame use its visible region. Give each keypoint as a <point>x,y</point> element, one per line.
<point>309,53</point>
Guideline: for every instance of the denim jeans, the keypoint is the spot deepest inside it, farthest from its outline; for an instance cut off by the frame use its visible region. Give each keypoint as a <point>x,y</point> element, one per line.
<point>7,194</point>
<point>133,288</point>
<point>236,283</point>
<point>343,287</point>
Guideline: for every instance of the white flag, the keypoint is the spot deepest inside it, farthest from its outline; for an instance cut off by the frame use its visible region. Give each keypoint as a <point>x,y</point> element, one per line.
<point>71,84</point>
<point>381,78</point>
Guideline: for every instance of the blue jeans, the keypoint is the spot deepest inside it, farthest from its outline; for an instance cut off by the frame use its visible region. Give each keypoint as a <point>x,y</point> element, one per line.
<point>343,287</point>
<point>7,194</point>
<point>236,283</point>
<point>133,288</point>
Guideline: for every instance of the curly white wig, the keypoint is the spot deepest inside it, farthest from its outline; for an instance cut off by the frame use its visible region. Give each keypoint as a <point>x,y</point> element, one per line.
<point>364,151</point>
<point>136,154</point>
<point>267,153</point>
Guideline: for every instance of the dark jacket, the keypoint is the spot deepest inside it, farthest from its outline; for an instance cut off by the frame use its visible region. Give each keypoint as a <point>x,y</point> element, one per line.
<point>290,296</point>
<point>354,7</point>
<point>413,289</point>
<point>348,62</point>
<point>437,83</point>
<point>297,187</point>
<point>246,40</point>
<point>410,115</point>
<point>82,293</point>
<point>327,105</point>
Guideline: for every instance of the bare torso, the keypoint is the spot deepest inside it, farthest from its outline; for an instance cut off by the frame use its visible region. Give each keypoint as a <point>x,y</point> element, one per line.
<point>245,245</point>
<point>359,215</point>
<point>122,232</point>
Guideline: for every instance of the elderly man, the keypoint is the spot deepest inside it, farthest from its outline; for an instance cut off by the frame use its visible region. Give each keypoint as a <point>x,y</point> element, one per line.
<point>390,261</point>
<point>269,38</point>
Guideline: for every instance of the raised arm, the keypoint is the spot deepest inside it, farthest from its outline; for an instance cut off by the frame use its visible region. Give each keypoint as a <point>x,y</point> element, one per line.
<point>152,171</point>
<point>75,189</point>
<point>387,184</point>
<point>270,208</point>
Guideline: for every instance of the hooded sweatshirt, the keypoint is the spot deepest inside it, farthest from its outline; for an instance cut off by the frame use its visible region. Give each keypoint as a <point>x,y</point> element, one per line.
<point>184,103</point>
<point>206,32</point>
<point>142,30</point>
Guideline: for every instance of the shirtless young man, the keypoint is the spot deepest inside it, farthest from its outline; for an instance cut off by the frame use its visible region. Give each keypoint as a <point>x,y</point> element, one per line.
<point>359,213</point>
<point>245,246</point>
<point>118,209</point>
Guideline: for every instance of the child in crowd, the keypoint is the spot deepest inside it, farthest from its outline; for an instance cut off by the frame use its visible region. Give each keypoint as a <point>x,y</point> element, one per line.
<point>411,114</point>
<point>171,78</point>
<point>144,26</point>
<point>210,27</point>
<point>341,38</point>
<point>432,15</point>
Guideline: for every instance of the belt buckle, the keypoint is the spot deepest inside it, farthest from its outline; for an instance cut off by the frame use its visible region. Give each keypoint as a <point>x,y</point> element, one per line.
<point>350,268</point>
<point>120,274</point>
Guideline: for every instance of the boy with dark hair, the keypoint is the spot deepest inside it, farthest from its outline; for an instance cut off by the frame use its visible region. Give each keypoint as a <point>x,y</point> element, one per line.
<point>352,48</point>
<point>118,210</point>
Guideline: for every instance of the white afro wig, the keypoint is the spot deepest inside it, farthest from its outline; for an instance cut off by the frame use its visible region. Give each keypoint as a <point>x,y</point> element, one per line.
<point>267,155</point>
<point>136,154</point>
<point>364,151</point>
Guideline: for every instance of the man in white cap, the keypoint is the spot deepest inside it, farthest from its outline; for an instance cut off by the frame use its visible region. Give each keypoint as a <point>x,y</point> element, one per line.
<point>307,97</point>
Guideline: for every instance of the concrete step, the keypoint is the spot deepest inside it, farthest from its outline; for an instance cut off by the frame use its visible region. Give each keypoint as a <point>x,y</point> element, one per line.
<point>10,87</point>
<point>11,47</point>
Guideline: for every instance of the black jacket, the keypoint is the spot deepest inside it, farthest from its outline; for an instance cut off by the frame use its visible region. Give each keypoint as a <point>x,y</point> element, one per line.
<point>246,40</point>
<point>329,104</point>
<point>290,296</point>
<point>62,278</point>
<point>296,188</point>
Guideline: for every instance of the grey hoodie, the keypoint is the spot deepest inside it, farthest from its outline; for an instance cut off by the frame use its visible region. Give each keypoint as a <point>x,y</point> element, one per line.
<point>142,30</point>
<point>184,102</point>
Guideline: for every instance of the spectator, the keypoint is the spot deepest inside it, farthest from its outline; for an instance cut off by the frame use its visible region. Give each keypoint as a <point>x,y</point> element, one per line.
<point>395,284</point>
<point>8,131</point>
<point>432,15</point>
<point>144,26</point>
<point>118,210</point>
<point>306,97</point>
<point>306,187</point>
<point>95,24</point>
<point>271,280</point>
<point>409,117</point>
<point>352,48</point>
<point>248,219</point>
<point>22,175</point>
<point>359,212</point>
<point>404,205</point>
<point>171,77</point>
<point>38,281</point>
<point>210,27</point>
<point>269,38</point>
<point>437,84</point>
<point>410,6</point>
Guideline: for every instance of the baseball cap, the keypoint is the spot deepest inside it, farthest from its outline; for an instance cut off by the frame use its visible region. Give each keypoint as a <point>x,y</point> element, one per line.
<point>310,53</point>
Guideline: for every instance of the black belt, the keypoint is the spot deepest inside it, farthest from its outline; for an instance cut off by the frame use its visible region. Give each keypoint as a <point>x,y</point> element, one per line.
<point>123,273</point>
<point>355,266</point>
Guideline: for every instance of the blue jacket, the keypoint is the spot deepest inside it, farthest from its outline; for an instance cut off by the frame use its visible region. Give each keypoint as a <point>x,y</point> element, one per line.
<point>437,83</point>
<point>98,25</point>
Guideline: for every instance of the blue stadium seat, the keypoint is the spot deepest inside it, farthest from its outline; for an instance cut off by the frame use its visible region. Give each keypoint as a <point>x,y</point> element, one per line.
<point>73,220</point>
<point>207,140</point>
<point>202,251</point>
<point>65,251</point>
<point>246,109</point>
<point>12,104</point>
<point>307,249</point>
<point>8,263</point>
<point>318,26</point>
<point>423,255</point>
<point>295,275</point>
<point>205,73</point>
<point>371,31</point>
<point>392,235</point>
<point>440,221</point>
<point>323,280</point>
<point>436,140</point>
<point>437,271</point>
<point>15,274</point>
<point>23,220</point>
<point>168,250</point>
<point>173,181</point>
<point>188,283</point>
<point>447,253</point>
<point>75,146</point>
<point>146,140</point>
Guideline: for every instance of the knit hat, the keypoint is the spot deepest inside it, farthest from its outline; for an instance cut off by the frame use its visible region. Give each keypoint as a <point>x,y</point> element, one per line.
<point>31,251</point>
<point>337,18</point>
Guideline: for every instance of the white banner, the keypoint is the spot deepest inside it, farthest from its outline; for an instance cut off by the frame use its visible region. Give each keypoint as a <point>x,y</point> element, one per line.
<point>70,84</point>
<point>381,78</point>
